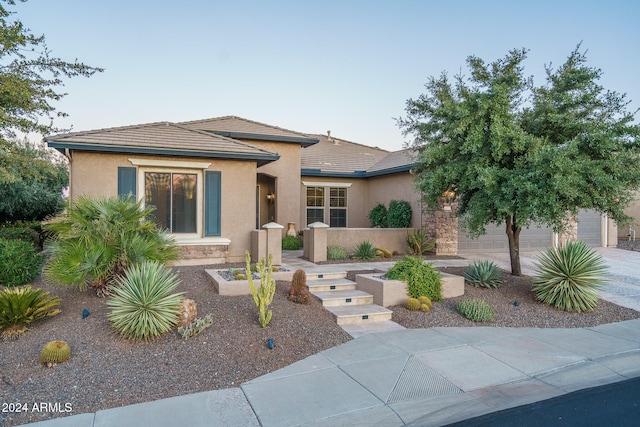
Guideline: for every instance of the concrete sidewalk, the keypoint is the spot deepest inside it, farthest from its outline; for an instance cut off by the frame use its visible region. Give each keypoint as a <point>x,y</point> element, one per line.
<point>408,377</point>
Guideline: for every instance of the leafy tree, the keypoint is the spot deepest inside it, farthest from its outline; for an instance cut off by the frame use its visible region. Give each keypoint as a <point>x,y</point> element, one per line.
<point>31,182</point>
<point>517,154</point>
<point>29,76</point>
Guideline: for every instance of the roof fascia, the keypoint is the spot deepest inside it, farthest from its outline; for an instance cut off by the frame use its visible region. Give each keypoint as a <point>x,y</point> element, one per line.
<point>260,137</point>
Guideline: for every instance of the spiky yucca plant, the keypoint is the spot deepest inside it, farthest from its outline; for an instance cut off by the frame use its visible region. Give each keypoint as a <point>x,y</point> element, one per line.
<point>95,240</point>
<point>569,277</point>
<point>483,274</point>
<point>142,306</point>
<point>19,307</point>
<point>365,251</point>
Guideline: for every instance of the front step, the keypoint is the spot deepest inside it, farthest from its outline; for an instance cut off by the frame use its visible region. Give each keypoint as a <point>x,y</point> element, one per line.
<point>334,275</point>
<point>330,284</point>
<point>344,298</point>
<point>350,314</point>
<point>359,329</point>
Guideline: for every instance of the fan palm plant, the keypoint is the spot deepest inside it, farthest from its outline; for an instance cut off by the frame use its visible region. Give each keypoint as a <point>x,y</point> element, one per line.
<point>569,277</point>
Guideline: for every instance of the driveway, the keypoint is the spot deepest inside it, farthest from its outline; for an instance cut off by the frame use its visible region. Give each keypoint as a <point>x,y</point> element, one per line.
<point>624,272</point>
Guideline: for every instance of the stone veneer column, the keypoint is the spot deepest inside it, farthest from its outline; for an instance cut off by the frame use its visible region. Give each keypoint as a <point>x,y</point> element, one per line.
<point>442,224</point>
<point>570,233</point>
<point>274,241</point>
<point>316,244</point>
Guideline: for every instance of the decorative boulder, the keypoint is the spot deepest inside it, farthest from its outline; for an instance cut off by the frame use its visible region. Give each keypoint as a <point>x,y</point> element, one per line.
<point>188,312</point>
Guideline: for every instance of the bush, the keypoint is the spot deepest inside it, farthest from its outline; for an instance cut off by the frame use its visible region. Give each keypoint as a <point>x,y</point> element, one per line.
<point>418,242</point>
<point>142,306</point>
<point>96,240</point>
<point>378,216</point>
<point>291,243</point>
<point>569,277</point>
<point>422,279</point>
<point>399,214</point>
<point>337,252</point>
<point>365,251</point>
<point>475,310</point>
<point>483,274</point>
<point>10,232</point>
<point>22,306</point>
<point>19,262</point>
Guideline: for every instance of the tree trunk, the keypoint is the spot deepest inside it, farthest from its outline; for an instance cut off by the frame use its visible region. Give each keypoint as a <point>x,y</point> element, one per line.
<point>513,233</point>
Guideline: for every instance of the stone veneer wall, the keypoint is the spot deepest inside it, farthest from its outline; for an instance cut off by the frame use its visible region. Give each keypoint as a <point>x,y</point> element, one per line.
<point>442,224</point>
<point>202,254</point>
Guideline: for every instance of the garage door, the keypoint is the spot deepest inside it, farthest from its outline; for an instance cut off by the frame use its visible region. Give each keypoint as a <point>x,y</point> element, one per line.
<point>589,226</point>
<point>531,239</point>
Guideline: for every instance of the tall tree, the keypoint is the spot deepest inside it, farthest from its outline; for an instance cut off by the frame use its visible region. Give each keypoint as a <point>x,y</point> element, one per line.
<point>29,78</point>
<point>516,154</point>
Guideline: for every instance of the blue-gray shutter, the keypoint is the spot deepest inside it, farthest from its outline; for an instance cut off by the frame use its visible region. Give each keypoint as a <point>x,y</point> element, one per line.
<point>126,182</point>
<point>212,196</point>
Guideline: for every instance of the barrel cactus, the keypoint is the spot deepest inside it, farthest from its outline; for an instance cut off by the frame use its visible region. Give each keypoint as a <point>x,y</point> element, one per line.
<point>425,300</point>
<point>412,304</point>
<point>55,352</point>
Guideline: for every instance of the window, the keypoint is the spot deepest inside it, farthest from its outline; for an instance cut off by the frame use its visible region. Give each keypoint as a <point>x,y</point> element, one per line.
<point>174,198</point>
<point>337,207</point>
<point>315,204</point>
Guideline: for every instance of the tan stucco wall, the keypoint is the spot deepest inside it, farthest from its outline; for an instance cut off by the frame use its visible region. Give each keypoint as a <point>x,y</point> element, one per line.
<point>398,186</point>
<point>286,170</point>
<point>633,211</point>
<point>356,200</point>
<point>97,174</point>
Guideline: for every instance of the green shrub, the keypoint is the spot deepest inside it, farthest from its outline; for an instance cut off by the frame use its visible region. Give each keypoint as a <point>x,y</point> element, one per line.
<point>378,216</point>
<point>337,252</point>
<point>9,232</point>
<point>422,279</point>
<point>399,214</point>
<point>262,296</point>
<point>195,327</point>
<point>365,251</point>
<point>142,306</point>
<point>291,243</point>
<point>19,262</point>
<point>96,240</point>
<point>483,274</point>
<point>569,277</point>
<point>418,242</point>
<point>475,310</point>
<point>20,307</point>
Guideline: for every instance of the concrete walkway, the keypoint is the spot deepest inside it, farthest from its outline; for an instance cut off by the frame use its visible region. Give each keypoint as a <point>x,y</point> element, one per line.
<point>410,377</point>
<point>414,376</point>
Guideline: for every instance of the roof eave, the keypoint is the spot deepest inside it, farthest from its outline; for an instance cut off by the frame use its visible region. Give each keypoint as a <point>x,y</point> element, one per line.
<point>261,159</point>
<point>304,142</point>
<point>356,174</point>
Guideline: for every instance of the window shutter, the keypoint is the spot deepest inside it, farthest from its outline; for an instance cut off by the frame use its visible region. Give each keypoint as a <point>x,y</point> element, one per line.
<point>126,182</point>
<point>212,203</point>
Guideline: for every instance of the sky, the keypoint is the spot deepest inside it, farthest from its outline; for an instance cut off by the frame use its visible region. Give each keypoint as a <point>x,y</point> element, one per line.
<point>311,66</point>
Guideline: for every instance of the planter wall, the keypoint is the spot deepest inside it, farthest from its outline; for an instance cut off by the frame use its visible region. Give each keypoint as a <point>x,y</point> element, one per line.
<point>240,287</point>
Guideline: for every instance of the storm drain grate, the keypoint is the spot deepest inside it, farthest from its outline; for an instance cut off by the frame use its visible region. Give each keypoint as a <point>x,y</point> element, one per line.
<point>419,381</point>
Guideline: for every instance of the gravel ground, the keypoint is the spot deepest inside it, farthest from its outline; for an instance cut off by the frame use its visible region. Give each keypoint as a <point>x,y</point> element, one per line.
<point>529,313</point>
<point>106,371</point>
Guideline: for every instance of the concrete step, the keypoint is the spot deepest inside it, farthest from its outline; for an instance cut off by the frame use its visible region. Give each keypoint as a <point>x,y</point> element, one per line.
<point>325,285</point>
<point>345,297</point>
<point>348,315</point>
<point>333,275</point>
<point>359,329</point>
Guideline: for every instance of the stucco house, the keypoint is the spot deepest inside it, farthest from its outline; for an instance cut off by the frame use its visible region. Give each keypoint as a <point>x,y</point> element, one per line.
<point>214,181</point>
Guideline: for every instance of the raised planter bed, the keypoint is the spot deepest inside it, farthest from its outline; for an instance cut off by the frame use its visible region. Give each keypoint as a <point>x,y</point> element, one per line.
<point>240,287</point>
<point>394,292</point>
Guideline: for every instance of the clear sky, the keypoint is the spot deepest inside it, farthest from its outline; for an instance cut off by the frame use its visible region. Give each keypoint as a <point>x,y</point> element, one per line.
<point>310,66</point>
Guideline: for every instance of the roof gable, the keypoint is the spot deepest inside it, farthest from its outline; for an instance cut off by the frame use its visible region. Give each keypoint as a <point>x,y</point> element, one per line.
<point>160,138</point>
<point>240,128</point>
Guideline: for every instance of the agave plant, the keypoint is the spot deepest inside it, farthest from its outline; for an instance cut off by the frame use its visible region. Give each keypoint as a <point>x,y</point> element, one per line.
<point>365,251</point>
<point>483,274</point>
<point>142,306</point>
<point>19,307</point>
<point>97,239</point>
<point>569,277</point>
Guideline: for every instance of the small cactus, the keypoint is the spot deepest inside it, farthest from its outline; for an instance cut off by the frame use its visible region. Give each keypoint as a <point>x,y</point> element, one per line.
<point>476,310</point>
<point>240,276</point>
<point>55,352</point>
<point>299,292</point>
<point>425,300</point>
<point>412,304</point>
<point>425,307</point>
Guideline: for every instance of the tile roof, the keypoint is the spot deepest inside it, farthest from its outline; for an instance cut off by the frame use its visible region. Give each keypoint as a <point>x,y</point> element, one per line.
<point>160,138</point>
<point>238,127</point>
<point>395,161</point>
<point>339,156</point>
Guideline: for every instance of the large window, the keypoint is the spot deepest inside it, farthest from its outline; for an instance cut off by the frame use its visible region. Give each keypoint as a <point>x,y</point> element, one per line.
<point>315,204</point>
<point>337,202</point>
<point>174,198</point>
